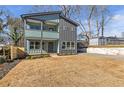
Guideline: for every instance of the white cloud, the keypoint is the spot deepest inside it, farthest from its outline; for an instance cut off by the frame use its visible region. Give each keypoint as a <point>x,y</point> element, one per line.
<point>116,26</point>
<point>118,17</point>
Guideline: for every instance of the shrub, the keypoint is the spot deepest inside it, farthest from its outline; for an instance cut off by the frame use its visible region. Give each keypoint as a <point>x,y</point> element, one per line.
<point>2,59</point>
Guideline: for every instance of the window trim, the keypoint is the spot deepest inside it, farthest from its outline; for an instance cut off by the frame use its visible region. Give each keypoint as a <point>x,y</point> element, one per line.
<point>34,45</point>
<point>64,45</point>
<point>70,46</point>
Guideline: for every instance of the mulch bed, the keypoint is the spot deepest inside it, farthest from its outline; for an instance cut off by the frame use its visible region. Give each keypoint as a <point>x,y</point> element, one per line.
<point>6,67</point>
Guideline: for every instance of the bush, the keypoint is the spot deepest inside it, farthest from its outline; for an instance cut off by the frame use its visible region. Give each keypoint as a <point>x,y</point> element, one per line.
<point>2,60</point>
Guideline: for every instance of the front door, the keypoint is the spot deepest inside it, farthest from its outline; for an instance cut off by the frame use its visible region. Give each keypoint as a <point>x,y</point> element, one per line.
<point>50,47</point>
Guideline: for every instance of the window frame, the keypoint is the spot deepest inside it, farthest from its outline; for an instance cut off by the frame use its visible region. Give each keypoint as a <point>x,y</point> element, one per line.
<point>31,45</point>
<point>70,45</point>
<point>34,45</point>
<point>64,45</point>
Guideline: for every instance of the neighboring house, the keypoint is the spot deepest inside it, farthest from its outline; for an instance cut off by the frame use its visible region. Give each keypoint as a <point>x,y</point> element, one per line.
<point>49,32</point>
<point>107,41</point>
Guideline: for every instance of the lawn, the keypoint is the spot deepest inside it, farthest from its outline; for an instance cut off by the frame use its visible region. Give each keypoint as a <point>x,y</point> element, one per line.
<point>75,70</point>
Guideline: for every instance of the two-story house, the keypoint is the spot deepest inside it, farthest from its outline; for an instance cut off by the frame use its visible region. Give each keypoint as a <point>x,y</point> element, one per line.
<point>49,32</point>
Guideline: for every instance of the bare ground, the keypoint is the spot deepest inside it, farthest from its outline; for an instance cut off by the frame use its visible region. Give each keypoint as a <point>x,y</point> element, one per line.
<point>75,70</point>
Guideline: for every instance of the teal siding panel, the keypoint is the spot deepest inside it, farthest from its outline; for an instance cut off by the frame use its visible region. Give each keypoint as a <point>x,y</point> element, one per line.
<point>32,33</point>
<point>47,34</point>
<point>37,34</point>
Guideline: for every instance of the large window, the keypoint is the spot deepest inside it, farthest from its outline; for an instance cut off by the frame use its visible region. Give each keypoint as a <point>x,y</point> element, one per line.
<point>68,45</point>
<point>35,27</point>
<point>34,45</point>
<point>50,27</point>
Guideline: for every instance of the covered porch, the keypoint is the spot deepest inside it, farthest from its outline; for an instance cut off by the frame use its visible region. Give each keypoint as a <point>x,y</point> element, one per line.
<point>34,47</point>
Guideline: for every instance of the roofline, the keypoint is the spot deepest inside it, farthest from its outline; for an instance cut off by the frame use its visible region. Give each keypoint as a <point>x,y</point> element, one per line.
<point>70,20</point>
<point>23,16</point>
<point>41,13</point>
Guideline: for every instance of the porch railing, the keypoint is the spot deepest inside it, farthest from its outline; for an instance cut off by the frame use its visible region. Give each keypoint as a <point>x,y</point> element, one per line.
<point>36,51</point>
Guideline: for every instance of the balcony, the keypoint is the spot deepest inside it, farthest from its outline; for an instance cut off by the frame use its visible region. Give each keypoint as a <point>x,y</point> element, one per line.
<point>37,34</point>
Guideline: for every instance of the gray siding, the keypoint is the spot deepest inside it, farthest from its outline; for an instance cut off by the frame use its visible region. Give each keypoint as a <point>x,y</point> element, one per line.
<point>67,35</point>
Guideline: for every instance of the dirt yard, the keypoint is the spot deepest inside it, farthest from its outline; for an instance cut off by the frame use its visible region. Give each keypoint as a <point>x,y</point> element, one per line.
<point>75,70</point>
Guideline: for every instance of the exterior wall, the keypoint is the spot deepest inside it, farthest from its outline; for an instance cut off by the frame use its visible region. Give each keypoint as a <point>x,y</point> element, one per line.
<point>61,36</point>
<point>106,51</point>
<point>44,50</point>
<point>67,35</point>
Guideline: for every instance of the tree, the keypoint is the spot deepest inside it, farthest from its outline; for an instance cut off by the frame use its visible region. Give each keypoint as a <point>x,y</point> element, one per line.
<point>68,10</point>
<point>102,16</point>
<point>84,18</point>
<point>3,23</point>
<point>92,20</point>
<point>15,30</point>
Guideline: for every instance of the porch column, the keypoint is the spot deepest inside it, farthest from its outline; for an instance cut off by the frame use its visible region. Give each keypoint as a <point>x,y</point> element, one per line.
<point>41,37</point>
<point>58,47</point>
<point>24,28</point>
<point>28,46</point>
<point>58,41</point>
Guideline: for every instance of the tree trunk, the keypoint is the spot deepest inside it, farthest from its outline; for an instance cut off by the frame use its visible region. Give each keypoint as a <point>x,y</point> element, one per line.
<point>102,32</point>
<point>97,27</point>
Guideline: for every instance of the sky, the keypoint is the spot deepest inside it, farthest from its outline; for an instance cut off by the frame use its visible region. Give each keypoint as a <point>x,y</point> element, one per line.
<point>114,28</point>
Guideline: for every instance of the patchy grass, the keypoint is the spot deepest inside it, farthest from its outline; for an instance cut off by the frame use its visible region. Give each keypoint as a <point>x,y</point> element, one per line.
<point>74,70</point>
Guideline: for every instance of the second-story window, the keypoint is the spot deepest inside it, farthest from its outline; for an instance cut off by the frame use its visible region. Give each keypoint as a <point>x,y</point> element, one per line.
<point>51,29</point>
<point>35,27</point>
